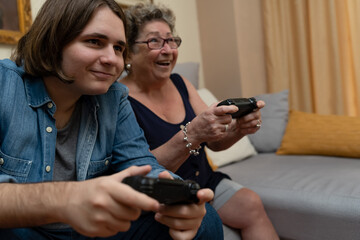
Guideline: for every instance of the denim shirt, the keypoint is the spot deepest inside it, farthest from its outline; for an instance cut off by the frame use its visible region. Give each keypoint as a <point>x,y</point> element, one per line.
<point>109,138</point>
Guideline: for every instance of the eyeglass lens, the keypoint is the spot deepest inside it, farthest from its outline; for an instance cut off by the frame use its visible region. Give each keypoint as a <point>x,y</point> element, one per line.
<point>157,43</point>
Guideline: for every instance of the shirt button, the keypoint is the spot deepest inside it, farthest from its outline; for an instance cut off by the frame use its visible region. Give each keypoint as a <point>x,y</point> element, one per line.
<point>197,173</point>
<point>106,162</point>
<point>49,129</point>
<point>1,161</point>
<point>50,105</point>
<point>48,168</point>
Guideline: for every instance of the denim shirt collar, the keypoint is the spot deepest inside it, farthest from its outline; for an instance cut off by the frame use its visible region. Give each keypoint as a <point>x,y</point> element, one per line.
<point>36,93</point>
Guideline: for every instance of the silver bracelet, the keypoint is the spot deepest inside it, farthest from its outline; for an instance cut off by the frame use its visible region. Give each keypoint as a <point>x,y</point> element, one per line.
<point>188,145</point>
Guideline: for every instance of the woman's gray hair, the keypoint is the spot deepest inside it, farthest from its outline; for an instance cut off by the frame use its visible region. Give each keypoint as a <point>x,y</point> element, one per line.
<point>139,14</point>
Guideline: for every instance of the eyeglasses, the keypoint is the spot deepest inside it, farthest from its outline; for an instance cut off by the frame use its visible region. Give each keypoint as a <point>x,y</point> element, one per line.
<point>158,42</point>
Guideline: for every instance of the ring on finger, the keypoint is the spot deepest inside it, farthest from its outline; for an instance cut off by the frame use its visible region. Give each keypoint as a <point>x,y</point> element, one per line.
<point>259,123</point>
<point>226,127</point>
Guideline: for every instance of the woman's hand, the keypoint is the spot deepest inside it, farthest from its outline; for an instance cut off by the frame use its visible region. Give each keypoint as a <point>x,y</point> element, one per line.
<point>216,126</point>
<point>250,123</point>
<point>216,123</point>
<point>210,125</point>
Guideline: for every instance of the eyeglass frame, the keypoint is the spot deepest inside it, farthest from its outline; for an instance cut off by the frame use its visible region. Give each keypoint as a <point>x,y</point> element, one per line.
<point>163,44</point>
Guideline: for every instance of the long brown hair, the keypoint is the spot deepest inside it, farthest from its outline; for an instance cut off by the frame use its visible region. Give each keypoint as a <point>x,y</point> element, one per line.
<point>57,24</point>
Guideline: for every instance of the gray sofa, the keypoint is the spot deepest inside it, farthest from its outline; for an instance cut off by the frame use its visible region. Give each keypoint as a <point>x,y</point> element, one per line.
<point>307,197</point>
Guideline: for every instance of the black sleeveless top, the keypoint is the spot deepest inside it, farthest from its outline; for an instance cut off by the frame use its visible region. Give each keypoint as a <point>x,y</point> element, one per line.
<point>157,132</point>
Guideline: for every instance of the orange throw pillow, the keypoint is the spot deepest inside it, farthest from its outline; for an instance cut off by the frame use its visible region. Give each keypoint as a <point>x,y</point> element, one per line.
<point>211,163</point>
<point>314,134</point>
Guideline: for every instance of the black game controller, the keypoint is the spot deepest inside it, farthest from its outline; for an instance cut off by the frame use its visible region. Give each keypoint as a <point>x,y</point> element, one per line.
<point>167,191</point>
<point>245,105</point>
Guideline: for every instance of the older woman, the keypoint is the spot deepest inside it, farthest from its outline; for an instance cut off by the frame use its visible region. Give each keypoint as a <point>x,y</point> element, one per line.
<point>177,123</point>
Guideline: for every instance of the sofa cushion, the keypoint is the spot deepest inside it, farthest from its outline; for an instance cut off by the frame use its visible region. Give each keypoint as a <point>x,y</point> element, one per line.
<point>274,119</point>
<point>306,197</point>
<point>237,152</point>
<point>189,70</point>
<point>315,134</point>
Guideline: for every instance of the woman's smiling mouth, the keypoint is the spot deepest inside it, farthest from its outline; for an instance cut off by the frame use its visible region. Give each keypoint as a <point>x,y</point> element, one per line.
<point>163,63</point>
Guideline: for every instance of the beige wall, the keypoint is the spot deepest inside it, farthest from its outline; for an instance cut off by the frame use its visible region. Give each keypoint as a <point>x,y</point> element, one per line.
<point>232,47</point>
<point>250,42</point>
<point>5,50</point>
<point>219,47</point>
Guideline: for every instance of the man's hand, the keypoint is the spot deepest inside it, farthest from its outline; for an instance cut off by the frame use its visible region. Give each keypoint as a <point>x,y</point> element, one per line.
<point>184,220</point>
<point>104,206</point>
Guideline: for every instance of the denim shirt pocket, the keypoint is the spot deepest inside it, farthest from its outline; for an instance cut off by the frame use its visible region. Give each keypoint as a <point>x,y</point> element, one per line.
<point>15,167</point>
<point>98,167</point>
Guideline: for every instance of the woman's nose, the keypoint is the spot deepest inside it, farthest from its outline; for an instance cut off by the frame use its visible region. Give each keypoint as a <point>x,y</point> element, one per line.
<point>166,48</point>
